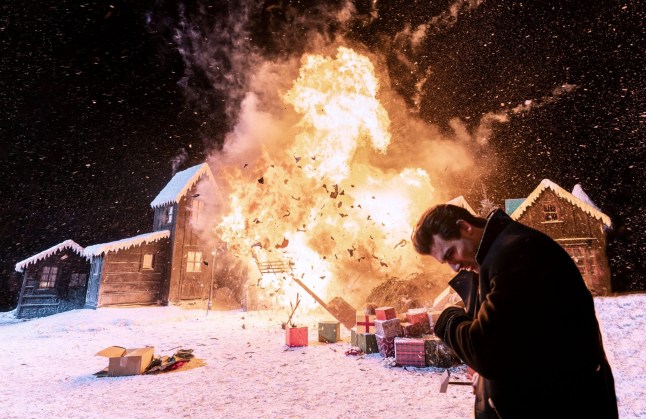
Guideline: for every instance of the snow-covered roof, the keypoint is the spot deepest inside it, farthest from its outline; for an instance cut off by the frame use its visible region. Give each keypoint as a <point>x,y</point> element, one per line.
<point>98,249</point>
<point>20,266</point>
<point>579,193</point>
<point>181,183</point>
<point>461,202</point>
<point>592,210</point>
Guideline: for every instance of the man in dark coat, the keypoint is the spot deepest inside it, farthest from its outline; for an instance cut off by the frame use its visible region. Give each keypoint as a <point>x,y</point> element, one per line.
<point>530,329</point>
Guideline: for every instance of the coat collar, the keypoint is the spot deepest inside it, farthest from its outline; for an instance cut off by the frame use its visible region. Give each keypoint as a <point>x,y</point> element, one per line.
<point>496,222</point>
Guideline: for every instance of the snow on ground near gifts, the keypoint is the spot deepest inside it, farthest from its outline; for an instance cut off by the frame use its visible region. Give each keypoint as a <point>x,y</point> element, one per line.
<point>48,368</point>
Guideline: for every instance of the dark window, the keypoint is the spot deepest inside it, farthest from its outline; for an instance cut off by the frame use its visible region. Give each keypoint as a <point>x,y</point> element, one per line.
<point>550,211</point>
<point>78,280</point>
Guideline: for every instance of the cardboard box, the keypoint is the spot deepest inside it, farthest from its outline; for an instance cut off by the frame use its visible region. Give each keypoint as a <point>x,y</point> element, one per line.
<point>296,336</point>
<point>329,331</point>
<point>124,361</point>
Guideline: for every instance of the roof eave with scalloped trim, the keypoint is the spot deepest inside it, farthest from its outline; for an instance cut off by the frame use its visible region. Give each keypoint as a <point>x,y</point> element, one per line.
<point>71,244</point>
<point>99,249</point>
<point>180,184</point>
<point>562,193</point>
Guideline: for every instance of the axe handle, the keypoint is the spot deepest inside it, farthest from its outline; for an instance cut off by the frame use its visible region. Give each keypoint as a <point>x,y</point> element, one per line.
<point>310,292</point>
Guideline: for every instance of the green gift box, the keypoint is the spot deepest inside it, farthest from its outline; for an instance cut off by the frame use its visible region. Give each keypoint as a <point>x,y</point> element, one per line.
<point>353,337</point>
<point>329,331</point>
<point>367,342</point>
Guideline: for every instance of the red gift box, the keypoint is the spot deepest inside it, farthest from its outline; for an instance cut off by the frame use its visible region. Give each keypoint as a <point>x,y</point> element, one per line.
<point>385,313</point>
<point>417,316</point>
<point>296,336</point>
<point>410,352</point>
<point>389,328</point>
<point>416,330</point>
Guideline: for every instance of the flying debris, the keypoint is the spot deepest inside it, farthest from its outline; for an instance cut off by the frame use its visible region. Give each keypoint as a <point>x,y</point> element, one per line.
<point>402,243</point>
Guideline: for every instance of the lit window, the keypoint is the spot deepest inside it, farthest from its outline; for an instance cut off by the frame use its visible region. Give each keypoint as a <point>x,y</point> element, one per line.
<point>550,211</point>
<point>48,277</point>
<point>169,214</point>
<point>194,262</point>
<point>147,261</point>
<point>78,280</point>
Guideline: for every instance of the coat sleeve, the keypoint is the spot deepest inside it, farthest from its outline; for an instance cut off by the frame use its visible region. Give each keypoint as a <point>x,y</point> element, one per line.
<point>504,334</point>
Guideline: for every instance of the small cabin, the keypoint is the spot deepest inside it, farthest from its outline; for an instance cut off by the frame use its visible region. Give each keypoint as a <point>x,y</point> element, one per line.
<point>181,208</point>
<point>575,223</point>
<point>132,271</point>
<point>53,281</point>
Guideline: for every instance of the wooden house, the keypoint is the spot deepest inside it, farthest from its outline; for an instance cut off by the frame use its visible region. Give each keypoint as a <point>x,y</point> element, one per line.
<point>181,208</point>
<point>170,265</point>
<point>574,222</point>
<point>53,281</point>
<point>132,271</point>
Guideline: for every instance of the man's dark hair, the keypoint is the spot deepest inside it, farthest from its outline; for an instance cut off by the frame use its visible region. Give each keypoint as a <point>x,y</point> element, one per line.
<point>442,220</point>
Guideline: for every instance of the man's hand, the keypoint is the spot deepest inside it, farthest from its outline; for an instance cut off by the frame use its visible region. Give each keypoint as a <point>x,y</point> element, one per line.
<point>474,381</point>
<point>450,317</point>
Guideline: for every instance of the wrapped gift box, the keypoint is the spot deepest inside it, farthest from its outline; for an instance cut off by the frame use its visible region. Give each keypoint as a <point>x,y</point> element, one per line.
<point>367,342</point>
<point>389,328</point>
<point>419,315</point>
<point>438,354</point>
<point>329,331</point>
<point>296,336</point>
<point>385,313</point>
<point>365,322</point>
<point>416,330</point>
<point>353,337</point>
<point>432,318</point>
<point>410,352</point>
<point>386,346</point>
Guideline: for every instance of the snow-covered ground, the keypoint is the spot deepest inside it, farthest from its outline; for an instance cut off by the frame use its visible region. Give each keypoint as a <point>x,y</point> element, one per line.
<point>48,367</point>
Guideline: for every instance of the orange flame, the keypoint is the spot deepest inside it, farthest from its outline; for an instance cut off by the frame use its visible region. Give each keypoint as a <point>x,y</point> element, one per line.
<point>313,196</point>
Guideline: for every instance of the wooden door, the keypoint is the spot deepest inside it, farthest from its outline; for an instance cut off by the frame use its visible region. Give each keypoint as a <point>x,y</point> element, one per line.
<point>192,284</point>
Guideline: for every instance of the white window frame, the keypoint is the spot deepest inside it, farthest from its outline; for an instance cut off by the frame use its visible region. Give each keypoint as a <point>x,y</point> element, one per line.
<point>194,262</point>
<point>48,277</point>
<point>148,261</point>
<point>550,211</point>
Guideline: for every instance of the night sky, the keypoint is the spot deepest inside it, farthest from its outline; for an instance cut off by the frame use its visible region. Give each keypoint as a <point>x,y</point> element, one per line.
<point>100,98</point>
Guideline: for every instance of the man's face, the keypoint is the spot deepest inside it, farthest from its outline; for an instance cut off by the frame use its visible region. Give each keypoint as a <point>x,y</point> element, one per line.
<point>460,253</point>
